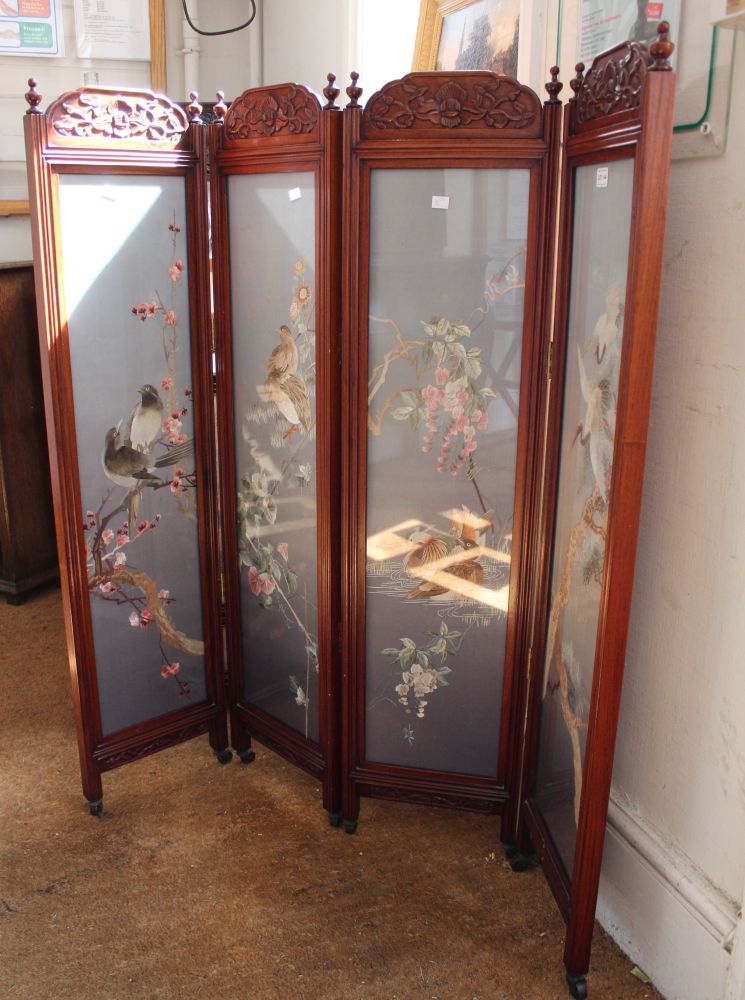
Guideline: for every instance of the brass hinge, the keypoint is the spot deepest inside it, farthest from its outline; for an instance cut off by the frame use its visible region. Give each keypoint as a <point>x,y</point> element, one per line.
<point>213,353</point>
<point>550,361</point>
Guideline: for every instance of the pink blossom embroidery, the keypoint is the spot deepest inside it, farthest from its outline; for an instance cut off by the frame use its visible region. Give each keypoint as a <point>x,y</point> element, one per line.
<point>283,550</point>
<point>166,383</point>
<point>134,620</point>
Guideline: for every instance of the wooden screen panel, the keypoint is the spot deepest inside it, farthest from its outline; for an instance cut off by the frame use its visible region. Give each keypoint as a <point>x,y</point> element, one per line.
<point>449,254</point>
<point>276,197</point>
<point>601,228</point>
<point>119,212</point>
<point>617,133</point>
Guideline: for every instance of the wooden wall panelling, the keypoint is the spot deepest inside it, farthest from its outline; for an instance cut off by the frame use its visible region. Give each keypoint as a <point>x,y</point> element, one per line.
<point>28,554</point>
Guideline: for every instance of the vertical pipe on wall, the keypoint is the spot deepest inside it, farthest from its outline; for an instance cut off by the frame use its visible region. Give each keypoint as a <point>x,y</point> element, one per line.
<point>256,49</point>
<point>191,50</point>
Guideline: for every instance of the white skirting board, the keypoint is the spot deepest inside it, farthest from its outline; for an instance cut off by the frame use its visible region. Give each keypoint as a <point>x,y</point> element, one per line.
<point>663,912</point>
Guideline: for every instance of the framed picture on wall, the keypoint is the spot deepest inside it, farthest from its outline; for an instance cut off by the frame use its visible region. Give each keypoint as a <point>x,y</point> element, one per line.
<point>468,35</point>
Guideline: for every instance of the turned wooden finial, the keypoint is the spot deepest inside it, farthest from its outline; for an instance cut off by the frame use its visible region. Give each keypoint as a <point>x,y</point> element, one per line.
<point>221,107</point>
<point>554,86</point>
<point>662,48</point>
<point>33,98</point>
<point>353,91</point>
<point>576,83</point>
<point>195,109</point>
<point>331,92</point>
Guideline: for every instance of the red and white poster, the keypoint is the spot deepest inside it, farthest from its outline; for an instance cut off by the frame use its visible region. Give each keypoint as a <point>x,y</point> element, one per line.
<point>605,23</point>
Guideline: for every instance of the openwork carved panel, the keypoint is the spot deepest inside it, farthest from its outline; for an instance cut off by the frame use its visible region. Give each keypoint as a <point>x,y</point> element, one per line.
<point>481,102</point>
<point>272,111</point>
<point>613,83</point>
<point>110,114</point>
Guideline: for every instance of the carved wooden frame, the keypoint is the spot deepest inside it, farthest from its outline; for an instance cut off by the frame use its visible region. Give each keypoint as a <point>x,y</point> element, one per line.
<point>622,109</point>
<point>102,130</point>
<point>275,130</point>
<point>442,120</point>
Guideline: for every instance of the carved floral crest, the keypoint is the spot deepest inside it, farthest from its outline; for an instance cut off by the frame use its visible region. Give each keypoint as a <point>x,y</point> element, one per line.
<point>104,114</point>
<point>613,83</point>
<point>483,101</point>
<point>266,112</point>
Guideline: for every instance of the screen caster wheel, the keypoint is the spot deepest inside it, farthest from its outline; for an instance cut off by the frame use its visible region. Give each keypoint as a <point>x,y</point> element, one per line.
<point>223,756</point>
<point>95,808</point>
<point>350,825</point>
<point>246,756</point>
<point>335,819</point>
<point>577,987</point>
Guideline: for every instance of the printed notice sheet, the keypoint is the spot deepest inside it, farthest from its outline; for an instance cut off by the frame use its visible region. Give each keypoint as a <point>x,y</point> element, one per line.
<point>112,29</point>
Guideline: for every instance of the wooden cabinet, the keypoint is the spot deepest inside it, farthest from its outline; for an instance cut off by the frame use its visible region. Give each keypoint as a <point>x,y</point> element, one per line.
<point>28,555</point>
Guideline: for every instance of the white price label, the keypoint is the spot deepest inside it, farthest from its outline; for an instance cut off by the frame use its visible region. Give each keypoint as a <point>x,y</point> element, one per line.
<point>294,194</point>
<point>601,179</point>
<point>441,201</point>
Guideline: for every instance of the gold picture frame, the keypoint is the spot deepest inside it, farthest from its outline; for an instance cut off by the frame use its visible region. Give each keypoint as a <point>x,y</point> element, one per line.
<point>432,16</point>
<point>158,82</point>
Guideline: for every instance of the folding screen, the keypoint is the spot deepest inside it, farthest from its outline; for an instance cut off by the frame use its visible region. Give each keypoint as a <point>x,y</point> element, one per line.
<point>617,137</point>
<point>370,482</point>
<point>276,187</point>
<point>120,209</point>
<point>450,183</point>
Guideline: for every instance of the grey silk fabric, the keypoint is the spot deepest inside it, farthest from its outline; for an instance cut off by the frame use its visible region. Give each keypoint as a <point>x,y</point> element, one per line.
<point>446,281</point>
<point>118,252</point>
<point>602,219</point>
<point>272,271</point>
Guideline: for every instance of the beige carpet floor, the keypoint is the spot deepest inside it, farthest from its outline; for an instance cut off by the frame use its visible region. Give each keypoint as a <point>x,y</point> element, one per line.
<point>203,881</point>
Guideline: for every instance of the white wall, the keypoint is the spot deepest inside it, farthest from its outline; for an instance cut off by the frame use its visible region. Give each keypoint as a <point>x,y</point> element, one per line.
<point>54,77</point>
<point>230,63</point>
<point>305,41</point>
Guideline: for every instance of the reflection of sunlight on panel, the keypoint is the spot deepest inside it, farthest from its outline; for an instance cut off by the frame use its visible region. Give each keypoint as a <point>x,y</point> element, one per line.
<point>268,530</point>
<point>308,502</point>
<point>388,544</point>
<point>117,212</point>
<point>464,516</point>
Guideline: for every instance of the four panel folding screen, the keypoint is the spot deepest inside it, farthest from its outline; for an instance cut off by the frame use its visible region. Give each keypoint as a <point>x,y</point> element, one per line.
<point>338,450</point>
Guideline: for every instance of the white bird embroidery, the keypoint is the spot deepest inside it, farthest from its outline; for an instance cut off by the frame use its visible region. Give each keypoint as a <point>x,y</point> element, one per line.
<point>597,427</point>
<point>609,324</point>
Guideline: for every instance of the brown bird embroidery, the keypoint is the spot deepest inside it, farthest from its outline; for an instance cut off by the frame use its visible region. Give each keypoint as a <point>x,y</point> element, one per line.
<point>441,582</point>
<point>284,387</point>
